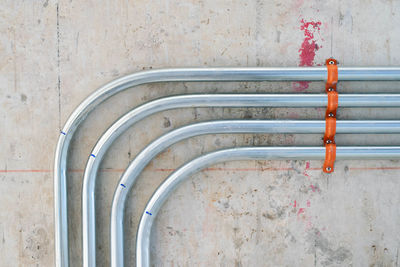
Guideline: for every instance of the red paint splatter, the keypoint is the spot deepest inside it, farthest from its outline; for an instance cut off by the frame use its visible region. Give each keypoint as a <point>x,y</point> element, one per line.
<point>307,168</point>
<point>315,188</point>
<point>307,49</point>
<point>309,45</point>
<point>308,203</point>
<point>301,211</point>
<point>307,52</point>
<point>295,204</point>
<point>312,187</point>
<point>309,31</point>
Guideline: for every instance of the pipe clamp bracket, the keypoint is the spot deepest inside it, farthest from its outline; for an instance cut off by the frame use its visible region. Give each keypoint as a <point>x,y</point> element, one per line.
<point>330,115</point>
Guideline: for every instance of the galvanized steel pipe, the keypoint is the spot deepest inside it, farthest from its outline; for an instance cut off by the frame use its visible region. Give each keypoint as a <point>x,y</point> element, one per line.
<point>244,153</point>
<point>176,75</point>
<point>201,100</point>
<point>217,127</point>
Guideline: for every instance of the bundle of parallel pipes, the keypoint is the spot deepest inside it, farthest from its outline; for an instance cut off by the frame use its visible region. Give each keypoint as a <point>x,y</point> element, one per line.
<point>137,165</point>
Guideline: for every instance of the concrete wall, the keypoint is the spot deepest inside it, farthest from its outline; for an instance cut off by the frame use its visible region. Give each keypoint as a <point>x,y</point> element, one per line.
<point>265,213</point>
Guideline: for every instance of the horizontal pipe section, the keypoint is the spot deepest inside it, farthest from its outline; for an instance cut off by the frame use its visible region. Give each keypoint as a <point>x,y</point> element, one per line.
<point>244,153</point>
<point>217,127</point>
<point>368,74</point>
<point>175,75</point>
<point>199,100</point>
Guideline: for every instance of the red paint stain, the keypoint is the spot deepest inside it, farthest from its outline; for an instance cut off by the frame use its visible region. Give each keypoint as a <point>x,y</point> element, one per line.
<point>295,204</point>
<point>309,28</point>
<point>307,52</point>
<point>307,168</point>
<point>301,211</point>
<point>308,203</point>
<point>307,49</point>
<point>315,188</point>
<point>312,187</point>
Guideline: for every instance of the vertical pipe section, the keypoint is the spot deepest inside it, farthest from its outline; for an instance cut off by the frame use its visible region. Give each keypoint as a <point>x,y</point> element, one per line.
<point>174,75</point>
<point>217,127</point>
<point>245,153</point>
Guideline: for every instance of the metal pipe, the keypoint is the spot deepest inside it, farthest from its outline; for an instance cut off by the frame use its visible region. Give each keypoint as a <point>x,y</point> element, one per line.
<point>217,127</point>
<point>182,101</point>
<point>203,100</point>
<point>244,153</point>
<point>175,75</point>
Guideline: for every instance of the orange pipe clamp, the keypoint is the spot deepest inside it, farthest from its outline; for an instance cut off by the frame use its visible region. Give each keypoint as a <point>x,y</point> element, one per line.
<point>330,115</point>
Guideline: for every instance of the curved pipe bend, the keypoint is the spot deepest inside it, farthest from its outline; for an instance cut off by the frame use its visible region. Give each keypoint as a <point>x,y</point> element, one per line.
<point>244,153</point>
<point>195,100</point>
<point>136,79</point>
<point>217,127</point>
<point>177,75</point>
<point>184,101</point>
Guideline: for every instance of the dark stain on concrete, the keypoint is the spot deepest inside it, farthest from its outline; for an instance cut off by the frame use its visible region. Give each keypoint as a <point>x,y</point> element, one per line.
<point>278,36</point>
<point>37,244</point>
<point>167,122</point>
<point>329,255</point>
<point>23,98</point>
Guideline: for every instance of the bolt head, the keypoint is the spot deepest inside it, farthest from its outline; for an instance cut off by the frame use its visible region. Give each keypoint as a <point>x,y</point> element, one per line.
<point>330,89</point>
<point>331,62</point>
<point>329,141</point>
<point>328,169</point>
<point>330,114</point>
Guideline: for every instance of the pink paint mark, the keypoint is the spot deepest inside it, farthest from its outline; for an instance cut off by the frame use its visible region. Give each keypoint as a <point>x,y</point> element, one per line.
<point>310,27</point>
<point>301,213</point>
<point>315,188</point>
<point>312,187</point>
<point>308,203</point>
<point>307,52</point>
<point>307,49</point>
<point>300,86</point>
<point>307,168</point>
<point>295,204</point>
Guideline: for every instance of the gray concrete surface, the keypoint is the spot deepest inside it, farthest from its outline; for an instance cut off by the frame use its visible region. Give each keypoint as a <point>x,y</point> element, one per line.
<point>55,53</point>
